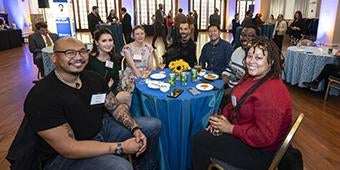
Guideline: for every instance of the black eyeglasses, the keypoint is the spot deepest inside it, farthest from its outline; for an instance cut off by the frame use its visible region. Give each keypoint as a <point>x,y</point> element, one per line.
<point>73,53</point>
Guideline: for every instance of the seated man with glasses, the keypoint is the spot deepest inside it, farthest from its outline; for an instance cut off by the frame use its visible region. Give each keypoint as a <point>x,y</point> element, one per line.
<point>81,123</point>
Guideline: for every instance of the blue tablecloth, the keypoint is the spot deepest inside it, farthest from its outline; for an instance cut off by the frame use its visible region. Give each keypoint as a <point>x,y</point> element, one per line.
<point>304,64</point>
<point>267,30</point>
<point>181,118</point>
<point>117,32</point>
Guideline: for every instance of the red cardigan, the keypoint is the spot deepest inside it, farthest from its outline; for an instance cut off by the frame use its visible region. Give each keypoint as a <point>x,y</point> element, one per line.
<point>264,117</point>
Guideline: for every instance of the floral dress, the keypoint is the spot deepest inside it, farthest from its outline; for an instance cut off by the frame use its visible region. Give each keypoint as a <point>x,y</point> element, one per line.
<point>141,57</point>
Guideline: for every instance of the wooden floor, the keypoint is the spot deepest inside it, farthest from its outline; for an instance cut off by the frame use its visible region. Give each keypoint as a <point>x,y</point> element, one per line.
<point>318,137</point>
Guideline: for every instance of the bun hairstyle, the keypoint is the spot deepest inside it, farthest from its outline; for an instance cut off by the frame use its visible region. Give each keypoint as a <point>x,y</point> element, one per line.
<point>275,57</point>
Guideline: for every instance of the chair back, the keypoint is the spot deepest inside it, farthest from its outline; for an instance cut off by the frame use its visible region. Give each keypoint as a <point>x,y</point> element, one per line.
<point>285,144</point>
<point>122,68</point>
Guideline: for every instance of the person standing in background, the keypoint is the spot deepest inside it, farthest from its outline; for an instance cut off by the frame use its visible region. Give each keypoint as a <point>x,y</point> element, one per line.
<point>235,23</point>
<point>279,30</point>
<point>112,18</point>
<point>126,24</point>
<point>215,19</point>
<point>169,22</point>
<point>159,27</point>
<point>191,21</point>
<point>94,19</point>
<point>195,25</point>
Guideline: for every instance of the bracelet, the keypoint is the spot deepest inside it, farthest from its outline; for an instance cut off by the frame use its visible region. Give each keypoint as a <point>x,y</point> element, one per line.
<point>133,130</point>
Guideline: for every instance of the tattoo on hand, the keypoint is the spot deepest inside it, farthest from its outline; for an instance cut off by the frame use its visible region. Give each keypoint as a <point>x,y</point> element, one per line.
<point>69,130</point>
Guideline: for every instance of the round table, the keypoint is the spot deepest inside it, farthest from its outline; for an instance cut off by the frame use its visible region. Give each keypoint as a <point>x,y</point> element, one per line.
<point>304,64</point>
<point>181,117</point>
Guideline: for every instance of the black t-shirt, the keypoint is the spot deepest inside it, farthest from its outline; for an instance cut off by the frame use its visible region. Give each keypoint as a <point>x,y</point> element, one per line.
<point>107,73</point>
<point>52,103</point>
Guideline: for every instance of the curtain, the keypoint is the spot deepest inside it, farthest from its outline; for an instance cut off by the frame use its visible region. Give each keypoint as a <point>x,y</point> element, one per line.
<point>302,5</point>
<point>276,7</point>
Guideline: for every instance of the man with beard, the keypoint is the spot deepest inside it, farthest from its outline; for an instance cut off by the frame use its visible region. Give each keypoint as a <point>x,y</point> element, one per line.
<point>216,53</point>
<point>80,123</point>
<point>235,70</point>
<point>184,49</point>
<point>159,28</point>
<point>94,19</point>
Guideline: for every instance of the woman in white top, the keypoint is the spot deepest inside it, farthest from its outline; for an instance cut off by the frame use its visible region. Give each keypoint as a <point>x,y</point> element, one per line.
<point>279,30</point>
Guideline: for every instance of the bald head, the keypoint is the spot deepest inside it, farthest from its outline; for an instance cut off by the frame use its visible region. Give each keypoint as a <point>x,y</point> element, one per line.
<point>67,43</point>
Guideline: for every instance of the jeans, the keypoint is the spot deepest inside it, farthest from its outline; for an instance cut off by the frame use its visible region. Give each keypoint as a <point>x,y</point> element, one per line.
<point>113,131</point>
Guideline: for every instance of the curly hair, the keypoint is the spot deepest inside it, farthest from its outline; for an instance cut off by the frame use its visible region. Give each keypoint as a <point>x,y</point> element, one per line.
<point>274,57</point>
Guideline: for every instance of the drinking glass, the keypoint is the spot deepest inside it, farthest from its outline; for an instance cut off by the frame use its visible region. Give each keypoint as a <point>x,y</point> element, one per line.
<point>161,65</point>
<point>217,132</point>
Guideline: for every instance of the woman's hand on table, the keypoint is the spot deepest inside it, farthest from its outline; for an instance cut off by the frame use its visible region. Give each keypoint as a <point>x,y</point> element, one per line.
<point>220,123</point>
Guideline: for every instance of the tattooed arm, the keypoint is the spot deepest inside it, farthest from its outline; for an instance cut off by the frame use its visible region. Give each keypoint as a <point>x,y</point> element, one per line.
<point>120,111</point>
<point>61,139</point>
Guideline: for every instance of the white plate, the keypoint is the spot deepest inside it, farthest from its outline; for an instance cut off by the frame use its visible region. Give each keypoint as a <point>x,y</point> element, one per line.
<point>211,76</point>
<point>204,86</point>
<point>157,76</point>
<point>154,84</point>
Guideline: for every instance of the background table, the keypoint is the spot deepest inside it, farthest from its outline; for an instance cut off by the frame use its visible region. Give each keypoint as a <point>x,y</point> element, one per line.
<point>267,30</point>
<point>10,39</point>
<point>181,118</point>
<point>304,64</point>
<point>117,32</point>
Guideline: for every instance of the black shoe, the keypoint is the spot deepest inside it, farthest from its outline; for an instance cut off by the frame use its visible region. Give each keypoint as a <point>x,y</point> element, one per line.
<point>313,84</point>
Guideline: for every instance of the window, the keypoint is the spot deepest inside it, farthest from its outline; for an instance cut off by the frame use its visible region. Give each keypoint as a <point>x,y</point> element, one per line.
<point>205,8</point>
<point>145,9</point>
<point>242,6</point>
<point>83,7</point>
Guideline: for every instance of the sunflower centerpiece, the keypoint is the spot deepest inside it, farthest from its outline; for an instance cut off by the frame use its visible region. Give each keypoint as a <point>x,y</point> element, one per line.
<point>178,66</point>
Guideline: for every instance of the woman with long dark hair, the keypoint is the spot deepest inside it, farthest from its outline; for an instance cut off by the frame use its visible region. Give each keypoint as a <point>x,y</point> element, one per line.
<point>256,120</point>
<point>104,60</point>
<point>295,28</point>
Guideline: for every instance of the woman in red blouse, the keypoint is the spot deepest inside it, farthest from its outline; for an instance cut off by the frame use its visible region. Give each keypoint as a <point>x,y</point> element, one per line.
<point>256,120</point>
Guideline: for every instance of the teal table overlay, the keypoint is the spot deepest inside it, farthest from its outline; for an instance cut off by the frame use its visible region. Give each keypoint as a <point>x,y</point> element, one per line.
<point>181,117</point>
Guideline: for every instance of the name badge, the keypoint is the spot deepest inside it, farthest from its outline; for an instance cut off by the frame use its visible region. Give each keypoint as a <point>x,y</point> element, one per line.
<point>233,101</point>
<point>98,99</point>
<point>137,57</point>
<point>109,64</point>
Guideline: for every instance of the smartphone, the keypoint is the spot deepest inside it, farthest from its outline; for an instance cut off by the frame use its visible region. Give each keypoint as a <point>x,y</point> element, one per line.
<point>175,93</point>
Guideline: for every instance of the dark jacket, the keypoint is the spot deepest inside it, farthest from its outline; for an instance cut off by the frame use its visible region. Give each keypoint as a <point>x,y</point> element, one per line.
<point>93,21</point>
<point>22,153</point>
<point>36,43</point>
<point>126,23</point>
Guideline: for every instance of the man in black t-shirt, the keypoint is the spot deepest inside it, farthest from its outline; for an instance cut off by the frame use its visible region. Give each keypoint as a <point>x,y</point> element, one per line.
<point>68,110</point>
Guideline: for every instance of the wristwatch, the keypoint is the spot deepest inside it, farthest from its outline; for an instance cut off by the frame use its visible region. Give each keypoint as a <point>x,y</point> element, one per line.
<point>119,149</point>
<point>133,130</point>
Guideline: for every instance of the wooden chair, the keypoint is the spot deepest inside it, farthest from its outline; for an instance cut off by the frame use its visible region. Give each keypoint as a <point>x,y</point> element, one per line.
<point>219,165</point>
<point>285,144</point>
<point>333,82</point>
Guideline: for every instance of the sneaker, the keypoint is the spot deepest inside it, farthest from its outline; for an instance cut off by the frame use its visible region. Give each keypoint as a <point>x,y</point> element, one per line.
<point>313,84</point>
